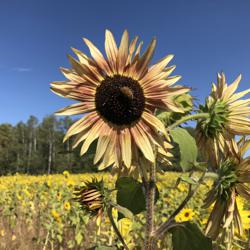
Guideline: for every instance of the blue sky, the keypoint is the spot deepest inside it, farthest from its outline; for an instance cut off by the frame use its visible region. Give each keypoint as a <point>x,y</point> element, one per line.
<point>205,36</point>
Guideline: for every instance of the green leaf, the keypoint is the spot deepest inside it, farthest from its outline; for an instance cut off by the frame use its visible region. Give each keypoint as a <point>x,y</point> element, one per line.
<point>79,238</point>
<point>131,195</point>
<point>188,236</point>
<point>59,237</point>
<point>188,180</point>
<point>185,150</point>
<point>123,210</point>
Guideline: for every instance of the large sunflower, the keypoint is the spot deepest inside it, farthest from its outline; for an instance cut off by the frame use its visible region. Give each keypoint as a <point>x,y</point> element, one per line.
<point>118,96</point>
<point>229,116</point>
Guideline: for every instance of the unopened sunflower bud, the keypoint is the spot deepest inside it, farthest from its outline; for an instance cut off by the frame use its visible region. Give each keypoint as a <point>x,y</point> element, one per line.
<point>91,196</point>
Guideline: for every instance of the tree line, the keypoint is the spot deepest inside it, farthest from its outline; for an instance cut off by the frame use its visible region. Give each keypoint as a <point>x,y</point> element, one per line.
<point>35,147</point>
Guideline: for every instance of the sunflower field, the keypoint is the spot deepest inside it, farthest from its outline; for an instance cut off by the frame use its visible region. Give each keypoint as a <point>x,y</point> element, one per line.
<point>39,212</point>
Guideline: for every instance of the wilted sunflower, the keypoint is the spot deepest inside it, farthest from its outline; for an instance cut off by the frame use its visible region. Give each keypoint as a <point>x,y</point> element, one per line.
<point>229,116</point>
<point>233,175</point>
<point>118,96</point>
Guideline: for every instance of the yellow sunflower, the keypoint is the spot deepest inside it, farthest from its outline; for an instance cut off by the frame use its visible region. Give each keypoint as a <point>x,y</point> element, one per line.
<point>67,205</point>
<point>232,182</point>
<point>186,214</point>
<point>229,116</point>
<point>118,96</point>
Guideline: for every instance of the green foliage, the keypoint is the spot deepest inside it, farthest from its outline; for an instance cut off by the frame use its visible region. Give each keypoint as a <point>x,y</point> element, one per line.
<point>218,117</point>
<point>184,101</point>
<point>131,195</point>
<point>188,236</point>
<point>185,150</point>
<point>37,148</point>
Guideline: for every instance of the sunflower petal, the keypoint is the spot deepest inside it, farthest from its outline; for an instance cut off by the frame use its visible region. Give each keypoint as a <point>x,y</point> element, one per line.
<point>145,59</point>
<point>111,49</point>
<point>75,109</point>
<point>93,134</point>
<point>125,140</point>
<point>143,143</point>
<point>122,53</point>
<point>97,56</point>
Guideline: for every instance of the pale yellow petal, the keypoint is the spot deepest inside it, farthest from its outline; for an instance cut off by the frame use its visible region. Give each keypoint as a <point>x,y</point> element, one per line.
<point>154,122</point>
<point>125,140</point>
<point>75,109</point>
<point>123,53</point>
<point>111,49</point>
<point>93,134</point>
<point>143,143</point>
<point>97,56</point>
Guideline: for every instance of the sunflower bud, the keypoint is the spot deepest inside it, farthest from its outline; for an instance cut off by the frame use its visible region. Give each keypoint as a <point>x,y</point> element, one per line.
<point>215,123</point>
<point>91,196</point>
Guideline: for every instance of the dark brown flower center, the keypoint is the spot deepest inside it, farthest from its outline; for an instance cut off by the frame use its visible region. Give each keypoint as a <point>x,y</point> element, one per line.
<point>120,100</point>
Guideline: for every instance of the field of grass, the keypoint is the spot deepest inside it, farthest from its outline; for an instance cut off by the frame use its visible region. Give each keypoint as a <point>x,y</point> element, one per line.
<point>37,212</point>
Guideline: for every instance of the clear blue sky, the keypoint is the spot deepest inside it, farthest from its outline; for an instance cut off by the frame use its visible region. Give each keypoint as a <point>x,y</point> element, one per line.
<point>35,36</point>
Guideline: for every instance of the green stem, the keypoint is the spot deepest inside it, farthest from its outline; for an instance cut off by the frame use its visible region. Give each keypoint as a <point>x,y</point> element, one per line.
<point>109,210</point>
<point>189,117</point>
<point>164,227</point>
<point>150,200</point>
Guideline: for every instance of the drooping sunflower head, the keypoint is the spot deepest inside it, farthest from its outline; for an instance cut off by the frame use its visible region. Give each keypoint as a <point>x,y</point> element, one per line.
<point>118,95</point>
<point>228,116</point>
<point>233,176</point>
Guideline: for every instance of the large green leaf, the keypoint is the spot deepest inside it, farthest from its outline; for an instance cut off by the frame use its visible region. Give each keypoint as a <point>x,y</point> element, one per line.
<point>188,236</point>
<point>185,149</point>
<point>131,194</point>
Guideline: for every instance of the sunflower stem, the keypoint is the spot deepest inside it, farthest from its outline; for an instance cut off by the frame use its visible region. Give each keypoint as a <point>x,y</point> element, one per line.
<point>109,210</point>
<point>164,227</point>
<point>189,117</point>
<point>150,200</point>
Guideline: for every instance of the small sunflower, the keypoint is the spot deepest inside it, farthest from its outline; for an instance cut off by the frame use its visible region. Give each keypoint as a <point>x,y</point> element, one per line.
<point>66,174</point>
<point>56,215</point>
<point>66,205</point>
<point>229,116</point>
<point>186,214</point>
<point>233,177</point>
<point>118,96</point>
<point>59,196</point>
<point>91,197</point>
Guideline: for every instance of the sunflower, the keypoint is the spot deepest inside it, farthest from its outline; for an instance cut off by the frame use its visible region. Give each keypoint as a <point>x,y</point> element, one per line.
<point>66,205</point>
<point>233,177</point>
<point>118,96</point>
<point>229,116</point>
<point>186,214</point>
